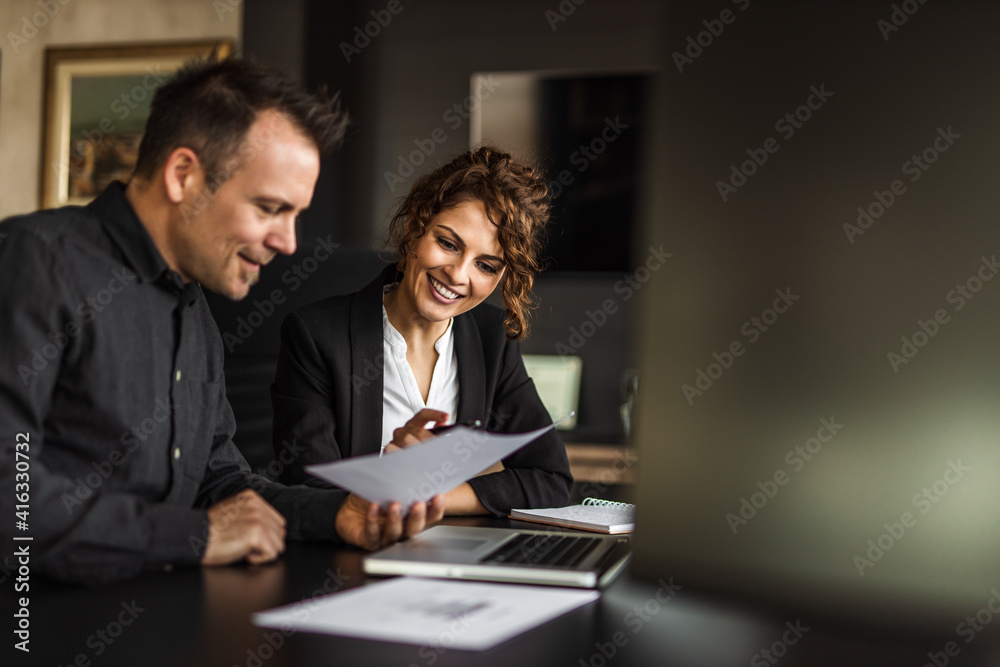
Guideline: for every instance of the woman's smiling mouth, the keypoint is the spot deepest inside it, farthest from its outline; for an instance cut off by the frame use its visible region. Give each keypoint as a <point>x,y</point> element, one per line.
<point>442,290</point>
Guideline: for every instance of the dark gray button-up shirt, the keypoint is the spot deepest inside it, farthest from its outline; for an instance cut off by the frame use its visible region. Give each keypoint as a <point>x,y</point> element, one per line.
<point>112,369</point>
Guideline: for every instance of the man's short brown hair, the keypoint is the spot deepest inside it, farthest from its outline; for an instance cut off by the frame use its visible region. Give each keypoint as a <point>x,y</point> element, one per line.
<point>209,106</point>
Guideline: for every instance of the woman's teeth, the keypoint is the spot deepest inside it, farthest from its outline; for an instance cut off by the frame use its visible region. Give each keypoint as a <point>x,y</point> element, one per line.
<point>444,291</point>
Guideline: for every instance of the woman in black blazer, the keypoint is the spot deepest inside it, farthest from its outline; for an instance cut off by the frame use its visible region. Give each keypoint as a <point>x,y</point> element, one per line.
<point>420,331</point>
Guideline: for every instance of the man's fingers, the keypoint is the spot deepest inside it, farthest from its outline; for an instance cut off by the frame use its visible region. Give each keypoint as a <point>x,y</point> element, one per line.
<point>435,510</point>
<point>257,512</point>
<point>366,525</point>
<point>415,519</point>
<point>271,512</point>
<point>371,528</point>
<point>244,526</point>
<point>393,528</point>
<point>247,504</point>
<point>265,545</point>
<point>256,502</point>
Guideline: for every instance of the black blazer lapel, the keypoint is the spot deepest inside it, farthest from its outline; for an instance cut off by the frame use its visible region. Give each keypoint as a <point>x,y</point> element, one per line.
<point>471,370</point>
<point>367,366</point>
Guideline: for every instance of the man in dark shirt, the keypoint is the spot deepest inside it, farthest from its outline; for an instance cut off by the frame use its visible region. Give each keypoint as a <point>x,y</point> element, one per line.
<point>116,450</point>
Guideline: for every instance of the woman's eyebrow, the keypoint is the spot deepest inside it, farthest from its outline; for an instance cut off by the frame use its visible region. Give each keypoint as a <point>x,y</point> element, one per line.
<point>453,233</point>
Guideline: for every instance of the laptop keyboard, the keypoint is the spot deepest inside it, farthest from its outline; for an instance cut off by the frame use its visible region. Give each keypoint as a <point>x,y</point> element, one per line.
<point>540,549</point>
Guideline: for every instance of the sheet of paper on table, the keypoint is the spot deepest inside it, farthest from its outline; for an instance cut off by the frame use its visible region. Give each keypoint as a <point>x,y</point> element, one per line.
<point>421,471</point>
<point>461,615</point>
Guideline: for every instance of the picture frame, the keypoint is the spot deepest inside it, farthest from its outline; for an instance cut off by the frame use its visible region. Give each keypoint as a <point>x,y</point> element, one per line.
<point>96,103</point>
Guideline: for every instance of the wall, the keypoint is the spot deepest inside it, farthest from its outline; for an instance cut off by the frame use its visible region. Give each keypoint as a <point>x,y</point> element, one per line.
<point>406,82</point>
<point>75,22</point>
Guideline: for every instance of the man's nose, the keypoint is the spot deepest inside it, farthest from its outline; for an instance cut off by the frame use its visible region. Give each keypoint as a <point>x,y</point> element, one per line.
<point>282,237</point>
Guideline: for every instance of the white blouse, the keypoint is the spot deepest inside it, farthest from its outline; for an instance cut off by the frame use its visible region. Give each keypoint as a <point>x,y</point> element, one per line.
<point>401,397</point>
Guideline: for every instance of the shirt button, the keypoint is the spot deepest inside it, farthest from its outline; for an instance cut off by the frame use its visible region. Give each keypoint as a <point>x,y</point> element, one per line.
<point>177,376</point>
<point>177,452</point>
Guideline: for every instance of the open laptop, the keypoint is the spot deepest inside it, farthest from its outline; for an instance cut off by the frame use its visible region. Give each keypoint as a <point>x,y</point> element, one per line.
<point>557,558</point>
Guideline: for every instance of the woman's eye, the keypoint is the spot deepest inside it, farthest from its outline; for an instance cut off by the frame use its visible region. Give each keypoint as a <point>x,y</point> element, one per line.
<point>487,268</point>
<point>446,244</point>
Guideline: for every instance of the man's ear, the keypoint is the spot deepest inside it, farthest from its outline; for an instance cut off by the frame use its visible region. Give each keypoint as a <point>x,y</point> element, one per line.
<point>183,177</point>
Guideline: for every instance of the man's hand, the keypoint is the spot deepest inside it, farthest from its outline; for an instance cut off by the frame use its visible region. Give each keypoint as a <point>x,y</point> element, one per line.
<point>364,524</point>
<point>415,430</point>
<point>244,526</point>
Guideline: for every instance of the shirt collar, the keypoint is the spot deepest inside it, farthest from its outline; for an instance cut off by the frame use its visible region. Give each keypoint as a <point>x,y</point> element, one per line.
<point>390,334</point>
<point>445,342</point>
<point>124,227</point>
<point>442,345</point>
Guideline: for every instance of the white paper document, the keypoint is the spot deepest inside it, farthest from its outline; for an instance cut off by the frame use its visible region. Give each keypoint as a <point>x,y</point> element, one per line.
<point>461,615</point>
<point>425,469</point>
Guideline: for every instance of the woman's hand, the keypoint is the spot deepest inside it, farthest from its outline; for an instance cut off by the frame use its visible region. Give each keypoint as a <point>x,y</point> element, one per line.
<point>415,430</point>
<point>460,500</point>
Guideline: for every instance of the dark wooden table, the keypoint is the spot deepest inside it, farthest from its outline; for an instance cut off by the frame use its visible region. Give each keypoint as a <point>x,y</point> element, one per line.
<point>201,616</point>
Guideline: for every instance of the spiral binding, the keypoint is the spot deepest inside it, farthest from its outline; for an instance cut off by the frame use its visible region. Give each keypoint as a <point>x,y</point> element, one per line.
<point>599,502</point>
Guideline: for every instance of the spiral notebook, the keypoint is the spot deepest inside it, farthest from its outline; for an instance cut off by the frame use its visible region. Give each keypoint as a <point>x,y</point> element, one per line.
<point>594,514</point>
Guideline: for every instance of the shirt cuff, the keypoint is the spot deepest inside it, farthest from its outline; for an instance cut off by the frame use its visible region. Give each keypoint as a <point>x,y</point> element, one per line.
<point>179,536</point>
<point>315,515</point>
<point>494,494</point>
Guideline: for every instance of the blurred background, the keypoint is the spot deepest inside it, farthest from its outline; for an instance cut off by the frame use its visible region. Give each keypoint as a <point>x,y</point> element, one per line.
<point>562,85</point>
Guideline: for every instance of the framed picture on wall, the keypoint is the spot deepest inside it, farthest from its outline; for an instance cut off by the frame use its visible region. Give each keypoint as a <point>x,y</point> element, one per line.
<point>96,103</point>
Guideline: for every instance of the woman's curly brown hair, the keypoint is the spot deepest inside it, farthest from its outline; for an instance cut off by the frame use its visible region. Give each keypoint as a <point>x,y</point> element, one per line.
<point>516,199</point>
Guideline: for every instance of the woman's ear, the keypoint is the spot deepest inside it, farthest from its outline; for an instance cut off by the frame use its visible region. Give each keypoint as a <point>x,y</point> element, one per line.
<point>183,177</point>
